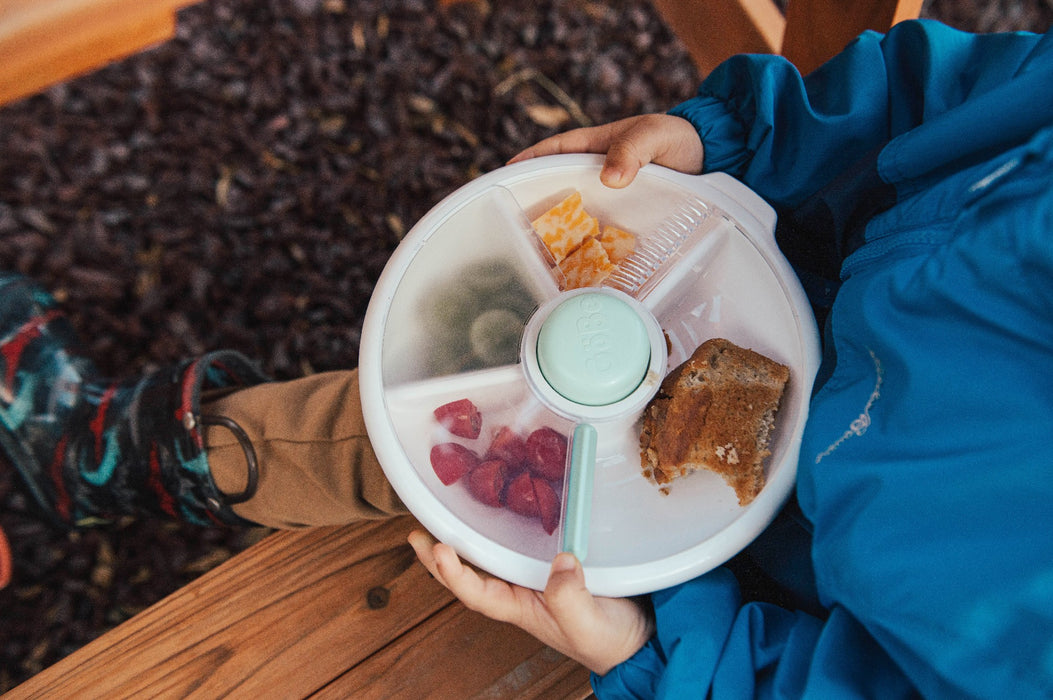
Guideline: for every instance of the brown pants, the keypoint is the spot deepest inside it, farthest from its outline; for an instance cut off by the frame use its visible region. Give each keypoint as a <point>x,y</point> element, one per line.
<point>316,464</point>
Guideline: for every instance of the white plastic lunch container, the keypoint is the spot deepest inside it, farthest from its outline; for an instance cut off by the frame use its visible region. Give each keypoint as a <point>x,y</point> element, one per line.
<point>470,307</point>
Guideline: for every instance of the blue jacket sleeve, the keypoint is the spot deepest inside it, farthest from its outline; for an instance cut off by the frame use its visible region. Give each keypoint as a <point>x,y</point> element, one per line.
<point>683,653</point>
<point>785,136</point>
<point>707,645</point>
<point>896,624</point>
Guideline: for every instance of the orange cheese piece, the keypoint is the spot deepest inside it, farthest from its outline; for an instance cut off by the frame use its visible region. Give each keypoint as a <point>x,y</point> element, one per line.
<point>563,227</point>
<point>619,244</point>
<point>587,266</point>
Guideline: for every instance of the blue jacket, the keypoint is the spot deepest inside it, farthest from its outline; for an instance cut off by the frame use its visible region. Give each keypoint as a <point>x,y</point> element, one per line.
<point>913,176</point>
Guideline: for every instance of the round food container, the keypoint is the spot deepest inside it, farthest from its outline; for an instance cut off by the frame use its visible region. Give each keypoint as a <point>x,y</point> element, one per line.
<point>504,401</point>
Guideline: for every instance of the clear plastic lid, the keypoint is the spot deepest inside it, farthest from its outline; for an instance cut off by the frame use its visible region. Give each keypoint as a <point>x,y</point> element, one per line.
<point>474,352</point>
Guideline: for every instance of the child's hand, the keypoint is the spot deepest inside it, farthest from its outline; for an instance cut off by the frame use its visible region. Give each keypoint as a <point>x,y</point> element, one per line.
<point>599,633</point>
<point>629,144</point>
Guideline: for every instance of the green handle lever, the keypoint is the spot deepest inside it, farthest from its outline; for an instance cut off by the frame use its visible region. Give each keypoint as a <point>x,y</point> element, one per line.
<point>579,491</point>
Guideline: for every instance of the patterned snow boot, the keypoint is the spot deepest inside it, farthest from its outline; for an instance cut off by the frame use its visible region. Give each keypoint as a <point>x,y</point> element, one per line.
<point>88,448</point>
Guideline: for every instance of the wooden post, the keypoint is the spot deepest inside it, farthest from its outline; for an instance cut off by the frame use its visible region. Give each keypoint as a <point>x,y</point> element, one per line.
<point>809,34</point>
<point>817,30</point>
<point>715,30</point>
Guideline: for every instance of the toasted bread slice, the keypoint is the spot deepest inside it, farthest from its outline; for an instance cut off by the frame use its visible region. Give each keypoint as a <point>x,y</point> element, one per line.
<point>716,411</point>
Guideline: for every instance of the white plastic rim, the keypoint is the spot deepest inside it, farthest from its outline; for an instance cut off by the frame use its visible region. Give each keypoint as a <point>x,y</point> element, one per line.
<point>753,219</point>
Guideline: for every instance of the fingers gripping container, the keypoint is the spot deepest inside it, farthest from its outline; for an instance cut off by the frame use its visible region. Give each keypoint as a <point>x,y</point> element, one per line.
<point>470,306</point>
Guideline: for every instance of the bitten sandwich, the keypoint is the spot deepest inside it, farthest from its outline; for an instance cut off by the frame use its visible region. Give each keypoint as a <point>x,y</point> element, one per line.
<point>716,411</point>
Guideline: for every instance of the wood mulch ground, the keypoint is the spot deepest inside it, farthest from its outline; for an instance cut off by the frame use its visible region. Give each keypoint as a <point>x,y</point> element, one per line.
<point>242,186</point>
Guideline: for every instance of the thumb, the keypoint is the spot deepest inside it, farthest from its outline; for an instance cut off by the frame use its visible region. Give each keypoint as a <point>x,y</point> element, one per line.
<point>633,148</point>
<point>587,630</point>
<point>571,604</point>
<point>652,138</point>
<point>621,165</point>
<point>566,569</point>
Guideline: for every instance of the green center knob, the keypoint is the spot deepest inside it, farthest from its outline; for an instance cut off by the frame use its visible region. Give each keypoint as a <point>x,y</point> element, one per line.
<point>593,349</point>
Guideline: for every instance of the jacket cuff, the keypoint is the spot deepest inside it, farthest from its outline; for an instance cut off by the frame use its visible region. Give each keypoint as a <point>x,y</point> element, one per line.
<point>692,622</point>
<point>637,677</point>
<point>721,130</point>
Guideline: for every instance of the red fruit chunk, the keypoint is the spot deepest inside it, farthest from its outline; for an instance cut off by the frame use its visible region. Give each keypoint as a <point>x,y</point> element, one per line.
<point>487,482</point>
<point>548,505</point>
<point>547,453</point>
<point>534,498</point>
<point>461,418</point>
<point>451,461</point>
<point>509,447</point>
<point>521,497</point>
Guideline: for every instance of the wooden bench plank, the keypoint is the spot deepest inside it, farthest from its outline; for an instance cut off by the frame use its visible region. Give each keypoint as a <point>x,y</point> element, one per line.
<point>47,41</point>
<point>297,602</point>
<point>311,611</point>
<point>478,658</point>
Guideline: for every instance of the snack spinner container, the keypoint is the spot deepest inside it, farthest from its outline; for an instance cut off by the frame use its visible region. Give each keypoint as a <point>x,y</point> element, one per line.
<point>471,306</point>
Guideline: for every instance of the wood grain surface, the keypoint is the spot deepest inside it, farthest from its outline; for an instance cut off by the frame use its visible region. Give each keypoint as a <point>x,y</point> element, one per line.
<point>328,612</point>
<point>808,33</point>
<point>46,41</point>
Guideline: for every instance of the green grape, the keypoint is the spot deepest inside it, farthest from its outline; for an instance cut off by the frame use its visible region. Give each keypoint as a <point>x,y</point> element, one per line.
<point>452,305</point>
<point>515,298</point>
<point>490,277</point>
<point>495,336</point>
<point>448,351</point>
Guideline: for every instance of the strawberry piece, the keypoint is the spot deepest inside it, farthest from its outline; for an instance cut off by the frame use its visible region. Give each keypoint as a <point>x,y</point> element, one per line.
<point>547,453</point>
<point>521,497</point>
<point>534,498</point>
<point>461,418</point>
<point>451,461</point>
<point>487,482</point>
<point>548,504</point>
<point>510,447</point>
